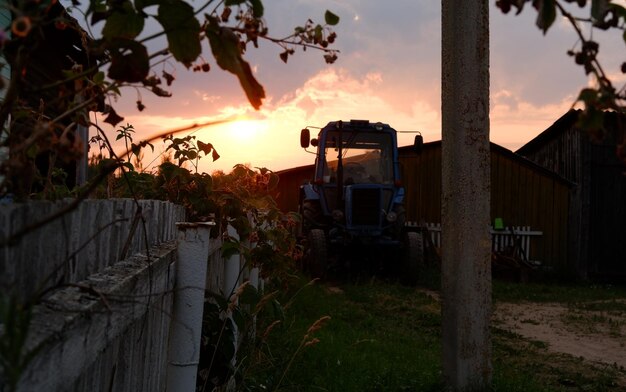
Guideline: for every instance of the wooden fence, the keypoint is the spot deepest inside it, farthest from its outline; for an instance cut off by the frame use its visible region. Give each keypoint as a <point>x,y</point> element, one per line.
<point>522,194</point>
<point>94,236</point>
<point>501,240</point>
<point>106,323</point>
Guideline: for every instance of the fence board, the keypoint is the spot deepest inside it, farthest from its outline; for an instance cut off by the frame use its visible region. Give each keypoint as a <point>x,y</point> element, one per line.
<point>501,239</point>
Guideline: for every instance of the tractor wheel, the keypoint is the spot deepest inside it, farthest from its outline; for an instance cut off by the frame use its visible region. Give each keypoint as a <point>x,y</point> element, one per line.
<point>317,253</point>
<point>311,212</point>
<point>413,257</point>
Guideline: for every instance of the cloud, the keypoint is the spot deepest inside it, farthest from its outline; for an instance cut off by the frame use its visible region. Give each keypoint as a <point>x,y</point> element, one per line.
<point>514,122</point>
<point>389,70</point>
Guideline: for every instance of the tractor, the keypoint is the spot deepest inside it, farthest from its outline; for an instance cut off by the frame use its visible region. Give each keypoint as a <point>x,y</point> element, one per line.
<point>356,198</point>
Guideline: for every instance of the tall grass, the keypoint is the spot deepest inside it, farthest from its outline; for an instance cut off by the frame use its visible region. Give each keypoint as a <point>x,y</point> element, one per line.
<point>383,336</point>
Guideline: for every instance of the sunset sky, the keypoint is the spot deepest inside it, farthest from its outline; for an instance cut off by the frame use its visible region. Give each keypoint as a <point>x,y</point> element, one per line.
<point>389,70</point>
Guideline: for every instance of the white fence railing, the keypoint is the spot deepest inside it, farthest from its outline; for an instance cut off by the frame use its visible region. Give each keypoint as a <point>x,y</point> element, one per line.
<point>107,324</point>
<point>501,240</point>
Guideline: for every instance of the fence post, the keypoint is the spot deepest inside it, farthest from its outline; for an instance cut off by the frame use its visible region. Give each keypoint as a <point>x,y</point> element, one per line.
<point>186,330</point>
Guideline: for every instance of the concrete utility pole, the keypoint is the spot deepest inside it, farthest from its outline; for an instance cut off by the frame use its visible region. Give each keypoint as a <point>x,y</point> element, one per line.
<point>466,161</point>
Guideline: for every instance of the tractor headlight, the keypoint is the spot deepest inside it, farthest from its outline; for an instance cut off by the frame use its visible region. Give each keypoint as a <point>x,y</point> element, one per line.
<point>337,215</point>
<point>392,216</point>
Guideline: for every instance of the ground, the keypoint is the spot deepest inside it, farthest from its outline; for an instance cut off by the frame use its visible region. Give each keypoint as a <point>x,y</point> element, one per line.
<point>595,332</point>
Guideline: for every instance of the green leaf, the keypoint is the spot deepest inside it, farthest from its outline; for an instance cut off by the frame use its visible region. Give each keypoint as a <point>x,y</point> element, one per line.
<point>319,33</point>
<point>129,61</point>
<point>182,30</point>
<point>98,78</point>
<point>135,148</point>
<point>123,23</point>
<point>230,248</point>
<point>546,15</point>
<point>250,296</point>
<point>330,18</point>
<point>226,50</point>
<point>257,8</point>
<point>588,95</point>
<point>598,9</point>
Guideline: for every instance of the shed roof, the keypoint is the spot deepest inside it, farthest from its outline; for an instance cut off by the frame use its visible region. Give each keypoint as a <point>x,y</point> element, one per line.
<point>564,123</point>
<point>507,153</point>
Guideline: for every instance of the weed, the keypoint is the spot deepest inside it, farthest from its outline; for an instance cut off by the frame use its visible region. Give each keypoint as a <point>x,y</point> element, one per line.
<point>386,337</point>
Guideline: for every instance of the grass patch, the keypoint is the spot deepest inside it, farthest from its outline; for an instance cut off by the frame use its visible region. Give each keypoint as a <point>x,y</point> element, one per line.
<point>550,292</point>
<point>383,336</point>
<point>374,341</point>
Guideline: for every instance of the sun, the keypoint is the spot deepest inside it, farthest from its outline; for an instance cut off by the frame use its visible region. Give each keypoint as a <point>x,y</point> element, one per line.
<point>246,130</point>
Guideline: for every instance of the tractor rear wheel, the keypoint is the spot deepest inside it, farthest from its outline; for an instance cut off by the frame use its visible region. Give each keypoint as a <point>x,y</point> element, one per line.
<point>317,253</point>
<point>413,257</point>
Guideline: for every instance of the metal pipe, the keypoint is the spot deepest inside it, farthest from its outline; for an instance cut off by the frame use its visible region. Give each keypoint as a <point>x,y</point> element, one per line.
<point>186,327</point>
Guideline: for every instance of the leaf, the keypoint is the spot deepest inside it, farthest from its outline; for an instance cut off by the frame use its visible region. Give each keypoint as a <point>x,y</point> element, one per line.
<point>588,95</point>
<point>135,148</point>
<point>225,47</point>
<point>215,155</point>
<point>98,78</point>
<point>112,117</point>
<point>257,8</point>
<point>330,18</point>
<point>182,30</point>
<point>546,14</point>
<point>319,33</point>
<point>599,9</point>
<point>129,61</point>
<point>205,147</point>
<point>230,248</point>
<point>273,183</point>
<point>98,11</point>
<point>250,296</point>
<point>284,56</point>
<point>123,23</point>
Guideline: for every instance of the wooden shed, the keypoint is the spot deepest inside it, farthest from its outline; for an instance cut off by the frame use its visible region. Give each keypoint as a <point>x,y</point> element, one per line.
<point>597,213</point>
<point>523,194</point>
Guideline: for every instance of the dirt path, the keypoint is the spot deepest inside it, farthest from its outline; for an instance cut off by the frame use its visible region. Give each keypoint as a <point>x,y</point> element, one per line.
<point>595,335</point>
<point>598,336</point>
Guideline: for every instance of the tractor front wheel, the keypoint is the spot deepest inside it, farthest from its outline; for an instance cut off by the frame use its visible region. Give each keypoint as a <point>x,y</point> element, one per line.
<point>317,253</point>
